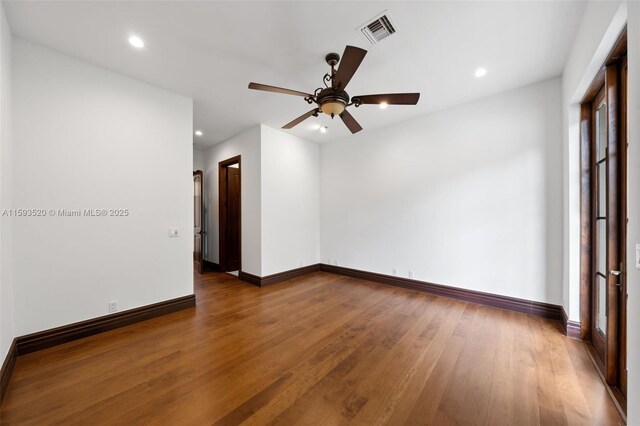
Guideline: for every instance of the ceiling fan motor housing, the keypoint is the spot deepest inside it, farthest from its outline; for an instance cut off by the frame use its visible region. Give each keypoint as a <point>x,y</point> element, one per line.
<point>332,101</point>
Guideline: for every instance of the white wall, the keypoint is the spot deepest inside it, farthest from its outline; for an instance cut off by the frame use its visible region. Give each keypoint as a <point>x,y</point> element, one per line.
<point>247,145</point>
<point>7,315</point>
<point>290,202</point>
<point>601,24</point>
<point>633,274</point>
<point>467,197</point>
<point>82,138</point>
<point>198,159</point>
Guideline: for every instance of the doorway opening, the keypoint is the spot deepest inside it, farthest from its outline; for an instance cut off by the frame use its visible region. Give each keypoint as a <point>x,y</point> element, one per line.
<point>230,247</point>
<point>198,218</point>
<point>603,287</point>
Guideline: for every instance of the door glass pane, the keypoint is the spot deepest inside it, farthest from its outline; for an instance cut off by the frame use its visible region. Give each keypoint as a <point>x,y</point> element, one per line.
<point>601,251</point>
<point>601,131</point>
<point>601,316</point>
<point>602,189</point>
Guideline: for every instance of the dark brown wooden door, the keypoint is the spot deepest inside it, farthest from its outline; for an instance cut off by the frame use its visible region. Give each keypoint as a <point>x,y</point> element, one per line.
<point>603,291</point>
<point>614,151</point>
<point>608,225</point>
<point>608,277</point>
<point>229,202</point>
<point>198,215</point>
<point>233,219</point>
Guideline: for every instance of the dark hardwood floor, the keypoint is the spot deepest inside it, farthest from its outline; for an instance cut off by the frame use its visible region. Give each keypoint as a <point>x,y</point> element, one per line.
<point>319,349</point>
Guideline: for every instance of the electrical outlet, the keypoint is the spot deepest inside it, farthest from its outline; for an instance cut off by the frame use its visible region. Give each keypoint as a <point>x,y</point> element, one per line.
<point>173,233</point>
<point>410,274</point>
<point>638,256</point>
<point>113,306</point>
<point>395,271</point>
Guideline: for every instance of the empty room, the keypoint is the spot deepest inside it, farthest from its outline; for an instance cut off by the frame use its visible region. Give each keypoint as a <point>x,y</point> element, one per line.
<point>320,212</point>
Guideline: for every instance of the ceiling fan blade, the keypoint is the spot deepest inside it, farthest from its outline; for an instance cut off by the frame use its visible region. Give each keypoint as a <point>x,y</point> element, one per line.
<point>267,88</point>
<point>390,98</point>
<point>351,60</point>
<point>301,119</point>
<point>350,122</point>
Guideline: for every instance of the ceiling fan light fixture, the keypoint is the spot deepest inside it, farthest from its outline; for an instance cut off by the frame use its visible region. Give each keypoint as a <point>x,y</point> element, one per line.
<point>332,108</point>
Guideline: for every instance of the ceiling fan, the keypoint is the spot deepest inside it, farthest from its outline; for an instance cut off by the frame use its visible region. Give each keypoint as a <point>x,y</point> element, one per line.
<point>332,99</point>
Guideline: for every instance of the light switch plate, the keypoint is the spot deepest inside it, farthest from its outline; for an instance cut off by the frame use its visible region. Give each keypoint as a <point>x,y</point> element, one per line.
<point>173,233</point>
<point>638,256</point>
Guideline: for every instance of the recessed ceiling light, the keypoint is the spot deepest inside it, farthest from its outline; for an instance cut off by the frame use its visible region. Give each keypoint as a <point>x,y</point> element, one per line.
<point>136,42</point>
<point>323,129</point>
<point>383,105</point>
<point>481,72</point>
<point>198,132</point>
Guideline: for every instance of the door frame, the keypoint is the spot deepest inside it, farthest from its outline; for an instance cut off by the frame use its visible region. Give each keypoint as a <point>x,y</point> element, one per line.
<point>222,212</point>
<point>610,78</point>
<point>200,268</point>
<point>624,219</point>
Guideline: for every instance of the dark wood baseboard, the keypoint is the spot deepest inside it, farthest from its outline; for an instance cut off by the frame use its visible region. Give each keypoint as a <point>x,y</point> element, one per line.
<point>7,368</point>
<point>497,301</point>
<point>250,278</point>
<point>571,328</point>
<point>547,310</point>
<point>55,336</point>
<point>279,277</point>
<point>211,266</point>
<point>287,275</point>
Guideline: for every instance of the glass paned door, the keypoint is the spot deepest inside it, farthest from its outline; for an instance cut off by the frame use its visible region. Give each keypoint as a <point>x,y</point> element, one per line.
<point>600,254</point>
<point>608,217</point>
<point>604,218</point>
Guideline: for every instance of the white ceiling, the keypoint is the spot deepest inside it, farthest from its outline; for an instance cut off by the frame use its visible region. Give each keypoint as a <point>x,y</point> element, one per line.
<point>210,51</point>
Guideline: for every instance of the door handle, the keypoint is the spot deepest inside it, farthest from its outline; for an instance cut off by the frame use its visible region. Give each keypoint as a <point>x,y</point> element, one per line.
<point>617,274</point>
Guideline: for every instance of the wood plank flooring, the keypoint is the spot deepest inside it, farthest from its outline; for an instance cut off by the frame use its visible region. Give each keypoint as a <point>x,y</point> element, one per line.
<point>321,349</point>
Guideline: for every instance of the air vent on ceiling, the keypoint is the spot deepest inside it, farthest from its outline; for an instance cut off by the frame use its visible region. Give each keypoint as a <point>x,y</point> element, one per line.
<point>378,29</point>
